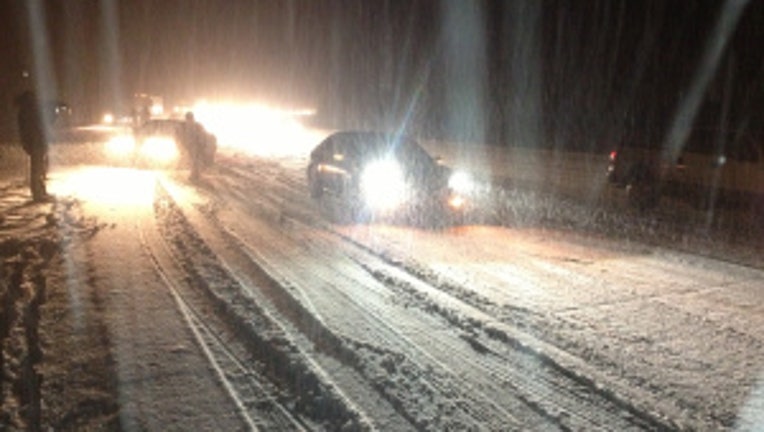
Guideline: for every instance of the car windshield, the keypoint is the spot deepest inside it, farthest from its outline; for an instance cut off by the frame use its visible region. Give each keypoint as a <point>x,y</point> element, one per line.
<point>395,215</point>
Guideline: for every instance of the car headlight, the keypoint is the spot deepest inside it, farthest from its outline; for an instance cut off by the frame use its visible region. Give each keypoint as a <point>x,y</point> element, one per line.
<point>121,146</point>
<point>159,149</point>
<point>383,186</point>
<point>461,182</point>
<point>456,202</point>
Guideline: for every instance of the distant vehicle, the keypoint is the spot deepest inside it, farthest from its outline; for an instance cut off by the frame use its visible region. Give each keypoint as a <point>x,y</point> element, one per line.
<point>714,168</point>
<point>158,143</point>
<point>386,175</point>
<point>61,113</point>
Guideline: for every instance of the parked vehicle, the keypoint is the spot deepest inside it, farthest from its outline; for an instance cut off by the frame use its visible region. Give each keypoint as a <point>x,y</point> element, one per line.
<point>713,167</point>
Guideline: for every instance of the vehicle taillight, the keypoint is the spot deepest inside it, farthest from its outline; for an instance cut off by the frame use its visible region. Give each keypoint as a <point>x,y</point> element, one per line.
<point>613,155</point>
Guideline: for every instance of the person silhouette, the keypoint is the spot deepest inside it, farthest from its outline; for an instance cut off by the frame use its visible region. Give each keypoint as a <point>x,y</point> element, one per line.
<point>193,140</point>
<point>32,133</point>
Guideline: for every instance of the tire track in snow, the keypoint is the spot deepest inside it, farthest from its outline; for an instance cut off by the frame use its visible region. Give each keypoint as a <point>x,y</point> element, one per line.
<point>447,381</point>
<point>575,400</point>
<point>346,351</point>
<point>245,383</point>
<point>552,414</point>
<point>444,382</point>
<point>310,403</point>
<point>204,338</point>
<point>574,390</point>
<point>569,367</point>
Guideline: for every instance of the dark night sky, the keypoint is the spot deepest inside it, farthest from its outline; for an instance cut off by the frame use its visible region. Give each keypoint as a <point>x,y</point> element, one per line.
<point>483,69</point>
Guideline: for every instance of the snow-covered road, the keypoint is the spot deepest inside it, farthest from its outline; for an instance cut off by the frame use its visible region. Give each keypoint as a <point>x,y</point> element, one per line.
<point>234,304</point>
<point>670,335</point>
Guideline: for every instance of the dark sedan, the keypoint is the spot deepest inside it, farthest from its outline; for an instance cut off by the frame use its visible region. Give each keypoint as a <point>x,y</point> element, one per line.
<point>375,175</point>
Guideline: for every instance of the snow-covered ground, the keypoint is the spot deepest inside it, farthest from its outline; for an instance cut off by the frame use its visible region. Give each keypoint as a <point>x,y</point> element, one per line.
<point>140,301</point>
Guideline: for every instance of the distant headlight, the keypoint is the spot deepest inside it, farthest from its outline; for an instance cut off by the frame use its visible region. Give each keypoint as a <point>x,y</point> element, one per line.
<point>121,146</point>
<point>158,149</point>
<point>456,202</point>
<point>383,185</point>
<point>461,182</point>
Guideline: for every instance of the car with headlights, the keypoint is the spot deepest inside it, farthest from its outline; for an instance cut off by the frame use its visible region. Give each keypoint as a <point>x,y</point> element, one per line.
<point>158,143</point>
<point>374,175</point>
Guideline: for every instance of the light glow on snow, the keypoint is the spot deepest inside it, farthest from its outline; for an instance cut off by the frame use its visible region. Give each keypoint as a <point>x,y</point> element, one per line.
<point>121,146</point>
<point>106,185</point>
<point>159,149</point>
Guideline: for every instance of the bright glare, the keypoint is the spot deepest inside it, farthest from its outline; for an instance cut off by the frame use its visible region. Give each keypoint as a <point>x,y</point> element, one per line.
<point>157,109</point>
<point>456,201</point>
<point>383,185</point>
<point>159,149</point>
<point>106,185</point>
<point>108,118</point>
<point>257,129</point>
<point>461,182</point>
<point>121,146</point>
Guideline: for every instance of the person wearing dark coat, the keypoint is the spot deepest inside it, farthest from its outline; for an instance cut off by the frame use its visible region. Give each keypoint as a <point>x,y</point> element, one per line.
<point>32,134</point>
<point>193,140</point>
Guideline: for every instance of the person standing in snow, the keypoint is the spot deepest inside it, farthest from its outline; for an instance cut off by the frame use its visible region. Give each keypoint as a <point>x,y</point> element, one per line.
<point>32,134</point>
<point>193,141</point>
